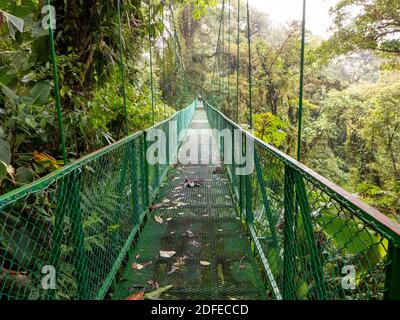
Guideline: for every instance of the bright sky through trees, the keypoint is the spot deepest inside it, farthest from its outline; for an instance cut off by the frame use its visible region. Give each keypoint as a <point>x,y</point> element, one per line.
<point>282,11</point>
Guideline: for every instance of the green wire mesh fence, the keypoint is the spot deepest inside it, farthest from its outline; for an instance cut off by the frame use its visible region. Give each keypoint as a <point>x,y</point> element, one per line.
<point>313,239</point>
<point>80,221</point>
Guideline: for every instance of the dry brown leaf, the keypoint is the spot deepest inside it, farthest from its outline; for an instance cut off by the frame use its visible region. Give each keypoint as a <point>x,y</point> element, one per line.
<point>154,284</point>
<point>137,266</point>
<point>136,296</point>
<point>158,219</point>
<point>167,254</point>
<point>156,206</point>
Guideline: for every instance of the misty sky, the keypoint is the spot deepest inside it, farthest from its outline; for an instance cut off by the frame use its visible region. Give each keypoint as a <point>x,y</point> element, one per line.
<point>281,11</point>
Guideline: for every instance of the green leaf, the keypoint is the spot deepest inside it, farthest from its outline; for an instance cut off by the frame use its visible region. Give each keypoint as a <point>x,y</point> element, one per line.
<point>3,170</point>
<point>11,95</point>
<point>5,152</point>
<point>157,293</point>
<point>24,175</point>
<point>39,94</point>
<point>13,23</point>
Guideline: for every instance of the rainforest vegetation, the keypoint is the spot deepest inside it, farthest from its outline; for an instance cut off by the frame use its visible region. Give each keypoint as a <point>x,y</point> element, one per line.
<point>351,124</point>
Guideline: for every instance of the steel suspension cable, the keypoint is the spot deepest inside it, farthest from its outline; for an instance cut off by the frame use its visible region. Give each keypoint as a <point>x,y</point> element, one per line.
<point>151,63</point>
<point>122,68</point>
<point>213,82</point>
<point>238,62</point>
<point>56,85</point>
<point>222,54</point>
<point>300,110</point>
<point>163,66</point>
<point>249,68</point>
<point>229,54</point>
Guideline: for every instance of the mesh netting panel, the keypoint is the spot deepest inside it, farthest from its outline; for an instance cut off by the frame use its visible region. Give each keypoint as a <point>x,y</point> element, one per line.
<point>314,240</point>
<point>78,221</point>
<point>211,256</point>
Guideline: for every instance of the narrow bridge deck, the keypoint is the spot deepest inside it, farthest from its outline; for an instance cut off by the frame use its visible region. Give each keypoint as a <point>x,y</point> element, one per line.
<point>212,258</point>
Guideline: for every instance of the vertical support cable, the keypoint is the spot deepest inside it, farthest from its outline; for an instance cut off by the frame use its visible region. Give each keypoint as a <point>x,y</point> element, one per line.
<point>216,61</point>
<point>56,86</point>
<point>122,68</point>
<point>392,276</point>
<point>151,65</point>
<point>238,62</point>
<point>220,51</point>
<point>229,54</point>
<point>300,110</point>
<point>163,67</point>
<point>249,67</point>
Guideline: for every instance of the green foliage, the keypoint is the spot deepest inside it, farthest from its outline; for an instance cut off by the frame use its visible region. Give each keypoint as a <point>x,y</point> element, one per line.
<point>271,128</point>
<point>364,25</point>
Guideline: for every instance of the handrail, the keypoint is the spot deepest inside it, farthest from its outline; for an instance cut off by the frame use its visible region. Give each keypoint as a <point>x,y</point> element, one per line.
<point>363,210</point>
<point>45,181</point>
<point>81,219</point>
<point>306,229</point>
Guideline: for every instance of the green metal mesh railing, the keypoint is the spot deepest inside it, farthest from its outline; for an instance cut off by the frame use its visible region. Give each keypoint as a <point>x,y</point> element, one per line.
<point>80,220</point>
<point>313,239</point>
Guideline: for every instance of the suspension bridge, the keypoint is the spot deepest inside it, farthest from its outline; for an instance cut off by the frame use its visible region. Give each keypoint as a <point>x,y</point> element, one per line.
<point>112,225</point>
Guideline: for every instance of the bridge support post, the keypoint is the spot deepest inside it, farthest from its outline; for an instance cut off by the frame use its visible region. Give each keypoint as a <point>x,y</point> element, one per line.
<point>78,237</point>
<point>315,261</point>
<point>58,232</point>
<point>289,236</point>
<point>145,174</point>
<point>134,184</point>
<point>392,279</point>
<point>249,193</point>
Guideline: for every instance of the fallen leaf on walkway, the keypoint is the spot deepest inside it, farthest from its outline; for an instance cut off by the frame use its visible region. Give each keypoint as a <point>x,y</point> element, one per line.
<point>156,206</point>
<point>195,243</point>
<point>179,203</point>
<point>173,269</point>
<point>157,293</point>
<point>136,296</point>
<point>189,233</point>
<point>140,266</point>
<point>158,219</point>
<point>218,170</point>
<point>205,263</point>
<point>167,254</point>
<point>191,183</point>
<point>137,266</point>
<point>153,284</point>
<point>180,261</point>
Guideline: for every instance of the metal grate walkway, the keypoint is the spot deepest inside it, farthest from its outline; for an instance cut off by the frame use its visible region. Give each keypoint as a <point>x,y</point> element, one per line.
<point>199,226</point>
